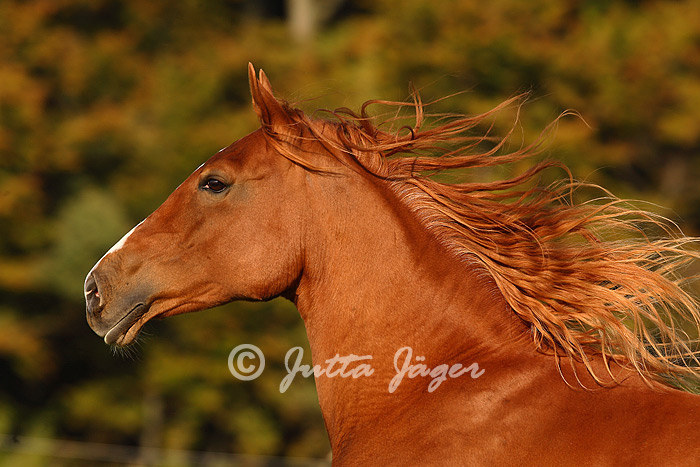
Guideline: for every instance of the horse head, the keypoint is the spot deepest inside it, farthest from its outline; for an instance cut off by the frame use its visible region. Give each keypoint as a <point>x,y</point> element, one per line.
<point>232,230</point>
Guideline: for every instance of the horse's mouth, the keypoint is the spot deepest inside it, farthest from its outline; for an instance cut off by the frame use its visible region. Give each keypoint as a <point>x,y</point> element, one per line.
<point>125,331</point>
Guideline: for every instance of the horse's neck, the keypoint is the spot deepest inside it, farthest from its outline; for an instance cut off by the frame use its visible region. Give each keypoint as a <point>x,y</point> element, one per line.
<point>375,281</point>
<point>390,295</point>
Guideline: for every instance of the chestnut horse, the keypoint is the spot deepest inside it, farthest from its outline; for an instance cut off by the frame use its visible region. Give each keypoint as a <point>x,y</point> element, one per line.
<point>574,314</point>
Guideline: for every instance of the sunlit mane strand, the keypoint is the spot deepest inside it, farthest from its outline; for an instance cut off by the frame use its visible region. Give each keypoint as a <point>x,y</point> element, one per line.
<point>593,278</point>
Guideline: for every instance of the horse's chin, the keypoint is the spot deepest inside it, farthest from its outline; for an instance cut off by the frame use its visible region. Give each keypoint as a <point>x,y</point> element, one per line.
<point>127,329</point>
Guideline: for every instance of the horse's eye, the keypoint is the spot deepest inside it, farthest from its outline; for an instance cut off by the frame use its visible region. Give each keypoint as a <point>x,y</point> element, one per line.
<point>217,186</point>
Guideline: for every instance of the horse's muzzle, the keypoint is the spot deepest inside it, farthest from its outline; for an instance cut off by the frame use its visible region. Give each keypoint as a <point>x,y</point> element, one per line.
<point>112,315</point>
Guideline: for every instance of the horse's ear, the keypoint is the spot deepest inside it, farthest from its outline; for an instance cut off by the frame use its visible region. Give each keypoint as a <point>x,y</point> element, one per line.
<point>269,109</point>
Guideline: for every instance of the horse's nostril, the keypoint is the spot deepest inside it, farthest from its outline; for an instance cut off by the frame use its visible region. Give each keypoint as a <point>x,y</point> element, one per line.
<point>92,295</point>
<point>90,285</point>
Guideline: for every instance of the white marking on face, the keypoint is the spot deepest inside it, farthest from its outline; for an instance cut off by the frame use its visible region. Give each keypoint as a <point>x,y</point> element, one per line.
<point>117,246</point>
<point>122,241</point>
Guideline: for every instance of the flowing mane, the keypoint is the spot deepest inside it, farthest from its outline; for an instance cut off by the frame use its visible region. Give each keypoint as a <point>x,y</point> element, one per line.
<point>595,278</point>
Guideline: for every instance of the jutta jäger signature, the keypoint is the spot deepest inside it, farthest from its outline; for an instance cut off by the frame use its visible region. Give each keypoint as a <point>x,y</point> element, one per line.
<point>357,366</point>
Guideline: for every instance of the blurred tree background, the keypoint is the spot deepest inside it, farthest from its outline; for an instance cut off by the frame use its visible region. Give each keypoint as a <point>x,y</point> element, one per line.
<point>106,105</point>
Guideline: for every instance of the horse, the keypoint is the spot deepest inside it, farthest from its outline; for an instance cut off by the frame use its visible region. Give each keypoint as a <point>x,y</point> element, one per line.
<point>507,323</point>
